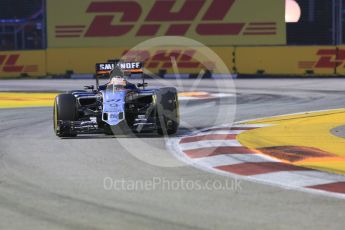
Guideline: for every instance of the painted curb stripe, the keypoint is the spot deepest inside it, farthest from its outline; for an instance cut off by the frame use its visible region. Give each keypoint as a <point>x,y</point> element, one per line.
<point>244,128</point>
<point>208,137</point>
<point>233,128</point>
<point>223,132</point>
<point>213,151</point>
<point>295,179</point>
<point>210,143</point>
<point>217,150</point>
<point>249,169</point>
<point>338,187</point>
<point>228,159</point>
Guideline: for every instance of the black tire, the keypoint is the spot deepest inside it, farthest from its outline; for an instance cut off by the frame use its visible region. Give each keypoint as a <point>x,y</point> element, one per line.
<point>64,110</point>
<point>168,119</point>
<point>171,128</point>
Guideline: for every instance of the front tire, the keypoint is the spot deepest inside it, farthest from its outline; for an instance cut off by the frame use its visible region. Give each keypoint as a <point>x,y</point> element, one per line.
<point>64,110</point>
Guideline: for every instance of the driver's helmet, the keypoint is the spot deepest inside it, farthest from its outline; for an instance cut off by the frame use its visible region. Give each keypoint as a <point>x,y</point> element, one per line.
<point>117,78</point>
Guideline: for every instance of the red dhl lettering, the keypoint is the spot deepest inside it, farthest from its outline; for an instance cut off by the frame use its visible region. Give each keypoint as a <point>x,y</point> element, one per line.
<point>179,22</point>
<point>8,64</point>
<point>330,58</point>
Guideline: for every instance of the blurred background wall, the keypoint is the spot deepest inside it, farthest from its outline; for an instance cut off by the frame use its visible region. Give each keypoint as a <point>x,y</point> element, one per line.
<point>312,45</point>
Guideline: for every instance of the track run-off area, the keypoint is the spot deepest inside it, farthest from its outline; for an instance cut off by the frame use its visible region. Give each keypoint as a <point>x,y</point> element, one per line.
<point>283,170</point>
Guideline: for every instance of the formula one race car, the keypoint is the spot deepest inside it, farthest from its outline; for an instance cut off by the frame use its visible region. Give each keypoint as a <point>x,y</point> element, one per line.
<point>118,106</point>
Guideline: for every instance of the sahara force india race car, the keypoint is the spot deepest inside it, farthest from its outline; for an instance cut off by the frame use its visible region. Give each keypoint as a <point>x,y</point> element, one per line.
<point>118,106</point>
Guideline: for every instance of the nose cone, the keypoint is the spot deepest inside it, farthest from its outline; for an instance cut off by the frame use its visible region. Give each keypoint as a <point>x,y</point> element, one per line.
<point>113,106</point>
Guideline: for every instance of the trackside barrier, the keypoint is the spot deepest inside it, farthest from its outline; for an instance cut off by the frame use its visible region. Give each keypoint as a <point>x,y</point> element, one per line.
<point>270,60</point>
<point>287,60</point>
<point>22,63</point>
<point>335,57</point>
<point>59,61</point>
<point>168,60</point>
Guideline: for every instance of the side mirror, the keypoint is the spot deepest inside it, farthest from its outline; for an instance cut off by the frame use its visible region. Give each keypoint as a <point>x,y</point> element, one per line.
<point>91,87</point>
<point>142,85</point>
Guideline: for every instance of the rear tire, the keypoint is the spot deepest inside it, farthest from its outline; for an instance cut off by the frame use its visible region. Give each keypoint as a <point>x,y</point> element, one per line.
<point>168,119</point>
<point>170,129</point>
<point>64,110</point>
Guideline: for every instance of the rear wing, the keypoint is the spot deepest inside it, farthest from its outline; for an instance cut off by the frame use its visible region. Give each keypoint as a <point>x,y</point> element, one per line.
<point>127,67</point>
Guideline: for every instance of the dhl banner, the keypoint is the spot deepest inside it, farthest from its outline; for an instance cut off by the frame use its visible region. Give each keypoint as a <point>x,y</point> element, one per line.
<point>270,60</point>
<point>170,59</point>
<point>119,23</point>
<point>16,63</point>
<point>290,60</point>
<point>332,58</point>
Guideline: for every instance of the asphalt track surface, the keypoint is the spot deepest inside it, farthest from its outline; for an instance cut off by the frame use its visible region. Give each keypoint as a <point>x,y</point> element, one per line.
<point>52,183</point>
